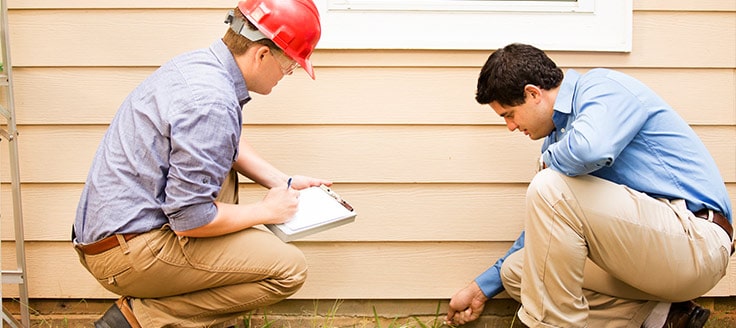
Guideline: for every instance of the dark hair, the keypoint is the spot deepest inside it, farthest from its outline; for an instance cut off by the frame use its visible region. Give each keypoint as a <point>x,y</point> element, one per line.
<point>508,70</point>
<point>238,44</point>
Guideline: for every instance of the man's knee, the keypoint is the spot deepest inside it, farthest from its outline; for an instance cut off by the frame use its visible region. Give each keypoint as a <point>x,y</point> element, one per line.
<point>293,278</point>
<point>543,182</point>
<point>299,278</point>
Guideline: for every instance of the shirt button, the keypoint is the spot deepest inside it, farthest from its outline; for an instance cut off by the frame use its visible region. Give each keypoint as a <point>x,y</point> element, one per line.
<point>562,130</point>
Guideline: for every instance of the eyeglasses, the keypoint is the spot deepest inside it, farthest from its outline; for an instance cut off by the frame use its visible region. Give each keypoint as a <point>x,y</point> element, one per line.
<point>285,69</point>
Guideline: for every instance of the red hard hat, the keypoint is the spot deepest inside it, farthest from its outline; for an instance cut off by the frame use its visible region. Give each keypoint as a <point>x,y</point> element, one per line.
<point>293,25</point>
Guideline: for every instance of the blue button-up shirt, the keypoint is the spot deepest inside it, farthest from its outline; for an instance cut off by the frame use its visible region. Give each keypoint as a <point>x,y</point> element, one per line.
<point>167,150</point>
<point>611,126</point>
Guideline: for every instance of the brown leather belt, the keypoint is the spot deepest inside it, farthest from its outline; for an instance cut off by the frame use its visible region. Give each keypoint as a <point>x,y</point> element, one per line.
<point>104,244</point>
<point>721,221</point>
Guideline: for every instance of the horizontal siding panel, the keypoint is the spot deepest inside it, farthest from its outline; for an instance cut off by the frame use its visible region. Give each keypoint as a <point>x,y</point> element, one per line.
<point>386,212</point>
<point>124,38</point>
<point>721,143</point>
<point>341,153</point>
<point>110,37</point>
<point>410,154</point>
<point>664,5</point>
<point>336,270</point>
<point>387,95</point>
<point>650,30</point>
<point>685,5</point>
<point>48,211</point>
<point>80,95</point>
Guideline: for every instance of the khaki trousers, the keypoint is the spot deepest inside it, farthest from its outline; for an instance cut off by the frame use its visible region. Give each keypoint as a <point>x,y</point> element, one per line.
<point>598,254</point>
<point>199,282</point>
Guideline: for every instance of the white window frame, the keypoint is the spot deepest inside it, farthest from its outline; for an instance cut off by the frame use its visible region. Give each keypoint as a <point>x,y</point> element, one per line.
<point>582,25</point>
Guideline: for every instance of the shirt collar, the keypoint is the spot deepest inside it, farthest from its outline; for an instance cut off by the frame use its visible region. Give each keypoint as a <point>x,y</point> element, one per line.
<point>563,103</point>
<point>226,58</point>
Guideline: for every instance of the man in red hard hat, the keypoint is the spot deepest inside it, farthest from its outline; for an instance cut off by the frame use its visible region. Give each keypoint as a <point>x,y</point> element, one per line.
<point>158,221</point>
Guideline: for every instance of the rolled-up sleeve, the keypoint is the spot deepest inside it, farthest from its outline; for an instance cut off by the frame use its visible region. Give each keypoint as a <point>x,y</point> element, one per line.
<point>204,142</point>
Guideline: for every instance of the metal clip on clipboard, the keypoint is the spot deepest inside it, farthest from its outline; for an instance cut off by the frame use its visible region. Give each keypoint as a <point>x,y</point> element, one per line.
<point>336,197</point>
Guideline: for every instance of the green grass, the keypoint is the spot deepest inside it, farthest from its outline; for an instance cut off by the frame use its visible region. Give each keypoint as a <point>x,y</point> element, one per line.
<point>317,315</point>
<point>329,320</point>
<point>437,322</point>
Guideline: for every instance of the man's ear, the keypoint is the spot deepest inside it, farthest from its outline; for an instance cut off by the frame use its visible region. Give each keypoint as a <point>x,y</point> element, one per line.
<point>533,92</point>
<point>261,52</point>
<point>251,62</point>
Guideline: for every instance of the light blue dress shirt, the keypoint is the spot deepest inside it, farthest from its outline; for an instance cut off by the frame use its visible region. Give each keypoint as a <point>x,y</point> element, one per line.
<point>610,125</point>
<point>167,150</point>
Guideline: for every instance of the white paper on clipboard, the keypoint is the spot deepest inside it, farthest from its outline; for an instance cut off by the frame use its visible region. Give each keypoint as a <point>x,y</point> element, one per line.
<point>319,209</point>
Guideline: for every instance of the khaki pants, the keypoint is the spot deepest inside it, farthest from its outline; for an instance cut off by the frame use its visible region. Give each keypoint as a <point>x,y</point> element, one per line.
<point>199,282</point>
<point>598,254</point>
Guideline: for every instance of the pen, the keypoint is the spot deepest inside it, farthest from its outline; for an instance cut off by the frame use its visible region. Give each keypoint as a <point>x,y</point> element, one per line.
<point>288,183</point>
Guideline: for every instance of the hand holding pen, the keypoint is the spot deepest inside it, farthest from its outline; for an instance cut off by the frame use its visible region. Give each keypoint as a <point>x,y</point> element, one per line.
<point>281,203</point>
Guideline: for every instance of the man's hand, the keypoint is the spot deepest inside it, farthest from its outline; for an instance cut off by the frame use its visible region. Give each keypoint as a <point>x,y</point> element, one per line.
<point>466,305</point>
<point>300,182</point>
<point>281,203</point>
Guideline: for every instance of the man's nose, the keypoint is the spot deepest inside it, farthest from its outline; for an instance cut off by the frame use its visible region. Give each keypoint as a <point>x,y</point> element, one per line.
<point>511,125</point>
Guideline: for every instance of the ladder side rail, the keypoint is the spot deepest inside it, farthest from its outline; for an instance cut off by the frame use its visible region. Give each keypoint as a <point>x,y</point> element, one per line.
<point>20,254</point>
<point>14,169</point>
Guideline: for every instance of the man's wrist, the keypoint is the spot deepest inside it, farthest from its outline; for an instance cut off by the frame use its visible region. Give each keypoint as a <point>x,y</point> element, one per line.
<point>478,292</point>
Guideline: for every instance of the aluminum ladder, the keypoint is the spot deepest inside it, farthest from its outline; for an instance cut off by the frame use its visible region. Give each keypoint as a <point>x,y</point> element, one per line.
<point>10,133</point>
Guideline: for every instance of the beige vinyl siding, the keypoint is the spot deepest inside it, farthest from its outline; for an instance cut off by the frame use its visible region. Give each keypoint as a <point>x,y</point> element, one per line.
<point>438,181</point>
<point>427,95</point>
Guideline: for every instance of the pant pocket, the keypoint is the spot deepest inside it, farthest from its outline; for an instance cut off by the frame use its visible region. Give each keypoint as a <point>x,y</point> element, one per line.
<point>108,267</point>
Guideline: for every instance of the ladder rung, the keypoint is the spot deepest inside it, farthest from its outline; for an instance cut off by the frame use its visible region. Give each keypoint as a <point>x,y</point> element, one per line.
<point>4,112</point>
<point>4,133</point>
<point>13,277</point>
<point>9,319</point>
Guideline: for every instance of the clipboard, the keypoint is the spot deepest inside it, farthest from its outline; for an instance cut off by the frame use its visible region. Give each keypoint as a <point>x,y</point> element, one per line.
<point>319,209</point>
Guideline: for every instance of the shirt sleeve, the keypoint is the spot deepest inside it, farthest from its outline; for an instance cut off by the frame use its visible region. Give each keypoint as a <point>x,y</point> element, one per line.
<point>607,117</point>
<point>490,280</point>
<point>203,146</point>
